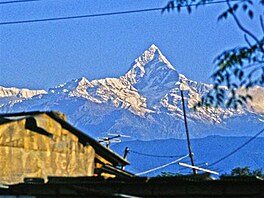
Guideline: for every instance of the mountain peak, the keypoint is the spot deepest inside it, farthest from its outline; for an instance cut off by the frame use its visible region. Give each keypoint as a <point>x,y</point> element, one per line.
<point>79,84</point>
<point>83,81</point>
<point>152,75</point>
<point>153,46</point>
<point>151,64</point>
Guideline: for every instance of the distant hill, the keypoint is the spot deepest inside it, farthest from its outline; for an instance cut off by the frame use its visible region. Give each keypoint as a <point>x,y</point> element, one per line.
<point>208,150</point>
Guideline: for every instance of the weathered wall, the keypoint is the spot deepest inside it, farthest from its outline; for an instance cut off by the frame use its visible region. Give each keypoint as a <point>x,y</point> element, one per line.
<point>24,153</point>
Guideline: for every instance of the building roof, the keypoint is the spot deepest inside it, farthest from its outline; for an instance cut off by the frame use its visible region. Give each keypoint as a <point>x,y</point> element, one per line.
<point>179,186</point>
<point>85,139</point>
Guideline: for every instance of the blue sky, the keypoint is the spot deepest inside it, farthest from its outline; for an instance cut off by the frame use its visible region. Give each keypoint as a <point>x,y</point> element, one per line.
<point>43,55</point>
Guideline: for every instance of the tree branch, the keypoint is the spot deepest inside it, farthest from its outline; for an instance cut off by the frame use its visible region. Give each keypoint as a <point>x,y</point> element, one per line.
<point>243,28</point>
<point>261,23</point>
<point>246,39</point>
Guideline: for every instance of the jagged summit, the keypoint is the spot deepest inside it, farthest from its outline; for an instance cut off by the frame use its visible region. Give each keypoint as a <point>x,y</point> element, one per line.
<point>151,67</point>
<point>83,81</point>
<point>80,84</point>
<point>153,46</point>
<point>157,52</point>
<point>152,75</point>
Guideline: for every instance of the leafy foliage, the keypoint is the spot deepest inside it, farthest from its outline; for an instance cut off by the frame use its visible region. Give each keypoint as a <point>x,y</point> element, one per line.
<point>245,171</point>
<point>237,69</point>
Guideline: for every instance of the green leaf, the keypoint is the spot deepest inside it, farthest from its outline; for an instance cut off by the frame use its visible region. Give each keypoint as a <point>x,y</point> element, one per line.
<point>250,14</point>
<point>241,74</point>
<point>189,9</point>
<point>235,105</point>
<point>178,7</point>
<point>249,97</point>
<point>235,7</point>
<point>243,98</point>
<point>245,7</point>
<point>222,91</point>
<point>234,85</point>
<point>233,92</point>
<point>249,85</point>
<point>219,96</point>
<point>222,16</point>
<point>228,85</point>
<point>229,102</point>
<point>236,71</point>
<point>240,102</point>
<point>250,2</point>
<point>210,97</point>
<point>230,10</point>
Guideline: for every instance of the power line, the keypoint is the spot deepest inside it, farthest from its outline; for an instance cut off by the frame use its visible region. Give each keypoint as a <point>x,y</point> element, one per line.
<point>151,155</point>
<point>237,149</point>
<point>102,14</point>
<point>79,17</point>
<point>17,1</point>
<point>163,166</point>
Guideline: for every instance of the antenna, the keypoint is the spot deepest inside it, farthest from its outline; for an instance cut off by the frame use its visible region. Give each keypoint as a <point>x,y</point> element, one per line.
<point>119,135</point>
<point>114,138</point>
<point>198,168</point>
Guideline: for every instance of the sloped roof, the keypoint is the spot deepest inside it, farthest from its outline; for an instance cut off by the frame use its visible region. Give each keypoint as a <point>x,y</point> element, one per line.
<point>85,139</point>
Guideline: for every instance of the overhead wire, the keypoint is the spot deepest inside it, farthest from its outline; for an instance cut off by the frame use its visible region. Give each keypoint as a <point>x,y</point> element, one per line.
<point>237,149</point>
<point>232,152</point>
<point>163,166</point>
<point>177,160</point>
<point>104,14</point>
<point>152,155</point>
<point>17,1</point>
<point>79,17</point>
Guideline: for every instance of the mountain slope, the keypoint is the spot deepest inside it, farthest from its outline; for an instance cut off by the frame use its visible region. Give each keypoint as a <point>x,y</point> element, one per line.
<point>144,103</point>
<point>11,96</point>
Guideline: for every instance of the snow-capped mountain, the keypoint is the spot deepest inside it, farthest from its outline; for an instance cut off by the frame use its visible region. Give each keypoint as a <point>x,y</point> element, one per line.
<point>19,93</point>
<point>144,103</point>
<point>14,95</point>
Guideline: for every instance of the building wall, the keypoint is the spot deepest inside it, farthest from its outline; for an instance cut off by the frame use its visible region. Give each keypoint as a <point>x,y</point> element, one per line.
<point>25,153</point>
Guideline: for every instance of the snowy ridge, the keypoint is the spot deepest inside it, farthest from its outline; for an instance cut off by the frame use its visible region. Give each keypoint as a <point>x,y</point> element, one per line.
<point>11,96</point>
<point>21,93</point>
<point>120,94</point>
<point>144,103</point>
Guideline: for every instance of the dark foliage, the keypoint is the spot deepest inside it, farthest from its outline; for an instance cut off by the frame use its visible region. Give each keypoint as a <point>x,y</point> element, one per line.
<point>238,69</point>
<point>245,171</point>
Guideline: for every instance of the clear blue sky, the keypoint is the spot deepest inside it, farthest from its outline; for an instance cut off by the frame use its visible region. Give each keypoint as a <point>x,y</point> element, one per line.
<point>43,55</point>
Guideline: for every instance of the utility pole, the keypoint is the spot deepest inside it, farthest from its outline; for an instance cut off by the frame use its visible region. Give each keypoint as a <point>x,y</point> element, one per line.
<point>187,133</point>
